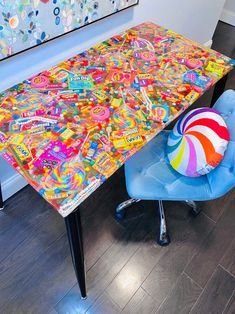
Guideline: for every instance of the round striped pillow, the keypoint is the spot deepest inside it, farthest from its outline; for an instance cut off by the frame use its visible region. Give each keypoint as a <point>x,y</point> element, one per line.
<point>197,143</point>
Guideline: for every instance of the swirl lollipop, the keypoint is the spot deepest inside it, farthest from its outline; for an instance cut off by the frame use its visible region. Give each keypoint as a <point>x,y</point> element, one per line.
<point>68,176</point>
<point>197,143</point>
<point>124,119</point>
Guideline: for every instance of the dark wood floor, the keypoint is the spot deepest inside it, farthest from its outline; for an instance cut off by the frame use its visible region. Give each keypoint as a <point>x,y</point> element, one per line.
<point>126,271</point>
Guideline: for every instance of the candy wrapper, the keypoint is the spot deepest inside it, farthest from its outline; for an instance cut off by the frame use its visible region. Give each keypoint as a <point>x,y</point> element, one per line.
<point>69,128</point>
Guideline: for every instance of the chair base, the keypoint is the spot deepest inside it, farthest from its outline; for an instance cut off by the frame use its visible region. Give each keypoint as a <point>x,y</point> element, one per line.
<point>163,238</point>
<point>121,208</point>
<point>195,209</point>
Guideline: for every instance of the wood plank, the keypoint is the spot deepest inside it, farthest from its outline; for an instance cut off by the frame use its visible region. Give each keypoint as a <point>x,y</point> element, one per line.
<point>133,274</point>
<point>23,213</point>
<point>20,207</point>
<point>42,229</point>
<point>30,246</point>
<point>223,41</point>
<point>104,304</point>
<point>216,293</point>
<point>228,260</point>
<point>17,267</point>
<point>140,303</point>
<point>99,226</point>
<point>215,208</point>
<point>107,267</point>
<point>181,298</point>
<point>71,303</point>
<point>98,237</point>
<point>213,248</point>
<point>47,281</point>
<point>224,33</point>
<point>230,307</point>
<point>187,236</point>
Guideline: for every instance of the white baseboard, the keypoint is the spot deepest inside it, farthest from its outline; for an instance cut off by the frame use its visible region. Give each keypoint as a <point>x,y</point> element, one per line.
<point>208,43</point>
<point>228,16</point>
<point>12,185</point>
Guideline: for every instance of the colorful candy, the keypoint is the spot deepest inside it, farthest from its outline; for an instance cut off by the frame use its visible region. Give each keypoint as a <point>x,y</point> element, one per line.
<point>124,119</point>
<point>40,81</point>
<point>194,63</point>
<point>99,113</point>
<point>69,128</point>
<point>68,176</point>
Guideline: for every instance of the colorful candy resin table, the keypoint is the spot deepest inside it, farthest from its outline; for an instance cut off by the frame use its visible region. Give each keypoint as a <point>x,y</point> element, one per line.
<point>68,129</point>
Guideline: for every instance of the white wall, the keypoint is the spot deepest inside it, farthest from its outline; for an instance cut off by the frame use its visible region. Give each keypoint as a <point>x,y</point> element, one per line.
<point>195,19</point>
<point>230,5</point>
<point>11,181</point>
<point>228,14</point>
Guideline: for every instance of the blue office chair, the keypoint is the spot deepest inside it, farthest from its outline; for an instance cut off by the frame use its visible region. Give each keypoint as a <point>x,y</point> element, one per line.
<point>149,175</point>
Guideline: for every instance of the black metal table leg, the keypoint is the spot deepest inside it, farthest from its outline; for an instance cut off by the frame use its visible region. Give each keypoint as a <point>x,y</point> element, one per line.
<point>1,199</point>
<point>74,232</point>
<point>219,89</point>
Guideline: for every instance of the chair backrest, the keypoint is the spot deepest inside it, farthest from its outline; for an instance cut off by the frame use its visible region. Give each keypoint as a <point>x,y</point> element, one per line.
<point>222,179</point>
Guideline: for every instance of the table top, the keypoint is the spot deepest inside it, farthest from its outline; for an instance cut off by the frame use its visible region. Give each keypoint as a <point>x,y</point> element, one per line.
<point>68,129</point>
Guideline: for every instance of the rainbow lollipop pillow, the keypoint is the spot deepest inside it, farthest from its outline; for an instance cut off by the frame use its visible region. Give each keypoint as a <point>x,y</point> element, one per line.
<point>197,143</point>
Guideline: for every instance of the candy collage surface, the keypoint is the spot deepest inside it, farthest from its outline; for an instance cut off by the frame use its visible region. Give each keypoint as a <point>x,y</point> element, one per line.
<point>68,129</point>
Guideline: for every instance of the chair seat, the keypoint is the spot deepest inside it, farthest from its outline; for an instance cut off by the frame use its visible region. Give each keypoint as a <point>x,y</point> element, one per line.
<point>150,176</point>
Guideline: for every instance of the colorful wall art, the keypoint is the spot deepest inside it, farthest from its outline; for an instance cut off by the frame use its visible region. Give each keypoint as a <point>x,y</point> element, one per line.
<point>27,23</point>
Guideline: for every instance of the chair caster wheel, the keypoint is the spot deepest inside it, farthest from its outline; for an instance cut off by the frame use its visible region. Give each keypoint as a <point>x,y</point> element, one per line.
<point>121,208</point>
<point>120,214</point>
<point>196,211</point>
<point>164,240</point>
<point>195,214</point>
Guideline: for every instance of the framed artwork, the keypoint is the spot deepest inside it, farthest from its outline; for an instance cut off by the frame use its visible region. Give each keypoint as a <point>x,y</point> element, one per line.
<point>27,23</point>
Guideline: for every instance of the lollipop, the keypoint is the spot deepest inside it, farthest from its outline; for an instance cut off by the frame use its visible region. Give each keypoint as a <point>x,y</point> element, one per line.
<point>124,119</point>
<point>197,143</point>
<point>67,176</point>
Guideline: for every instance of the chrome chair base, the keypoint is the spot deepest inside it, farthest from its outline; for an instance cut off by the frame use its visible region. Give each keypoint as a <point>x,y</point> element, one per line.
<point>121,208</point>
<point>163,238</point>
<point>195,208</point>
